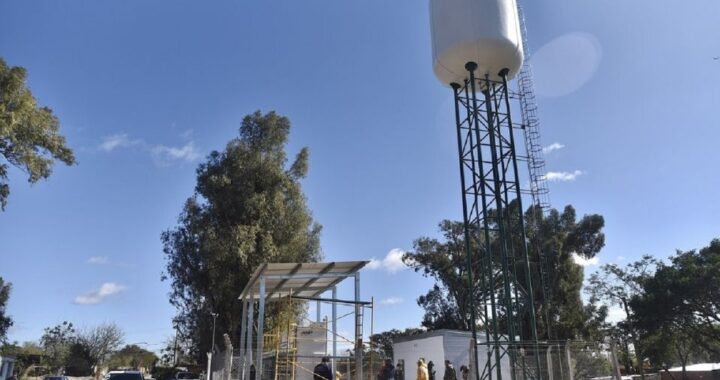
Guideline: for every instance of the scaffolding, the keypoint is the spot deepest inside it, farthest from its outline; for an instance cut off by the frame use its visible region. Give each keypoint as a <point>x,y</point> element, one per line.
<point>275,354</point>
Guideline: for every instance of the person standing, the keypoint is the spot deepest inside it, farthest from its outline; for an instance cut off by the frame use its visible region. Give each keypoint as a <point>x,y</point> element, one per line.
<point>422,370</point>
<point>387,371</point>
<point>431,370</point>
<point>450,373</point>
<point>323,371</point>
<point>464,372</point>
<point>399,371</point>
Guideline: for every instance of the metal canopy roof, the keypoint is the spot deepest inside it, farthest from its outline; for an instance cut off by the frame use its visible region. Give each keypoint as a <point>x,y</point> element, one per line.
<point>298,279</point>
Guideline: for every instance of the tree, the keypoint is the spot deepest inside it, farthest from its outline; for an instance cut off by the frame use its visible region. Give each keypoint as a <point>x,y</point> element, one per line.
<point>447,304</point>
<point>557,235</point>
<point>29,134</point>
<point>382,342</point>
<point>133,356</point>
<point>26,355</point>
<point>617,286</point>
<point>677,309</point>
<point>248,208</point>
<point>56,343</point>
<point>101,341</point>
<point>79,360</point>
<point>5,320</point>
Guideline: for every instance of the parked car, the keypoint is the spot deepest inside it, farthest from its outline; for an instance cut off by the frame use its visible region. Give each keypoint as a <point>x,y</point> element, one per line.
<point>124,375</point>
<point>55,377</point>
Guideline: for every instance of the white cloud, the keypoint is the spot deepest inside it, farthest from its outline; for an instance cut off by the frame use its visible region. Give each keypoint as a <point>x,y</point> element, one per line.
<point>99,260</point>
<point>391,263</point>
<point>120,140</point>
<point>391,301</point>
<point>563,176</point>
<point>168,154</point>
<point>96,296</point>
<point>582,261</point>
<point>552,147</point>
<point>163,155</point>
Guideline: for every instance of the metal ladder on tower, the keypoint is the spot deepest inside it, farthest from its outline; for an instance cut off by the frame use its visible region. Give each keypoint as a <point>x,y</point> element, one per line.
<point>535,160</point>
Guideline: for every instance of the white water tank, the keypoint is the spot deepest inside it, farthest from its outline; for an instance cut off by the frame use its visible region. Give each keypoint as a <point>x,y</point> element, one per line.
<point>486,32</point>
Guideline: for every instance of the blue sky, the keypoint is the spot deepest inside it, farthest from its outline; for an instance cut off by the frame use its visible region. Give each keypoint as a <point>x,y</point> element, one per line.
<point>628,91</point>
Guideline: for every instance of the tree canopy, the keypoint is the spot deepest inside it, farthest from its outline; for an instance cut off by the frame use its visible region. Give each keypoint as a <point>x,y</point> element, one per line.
<point>30,136</point>
<point>132,356</point>
<point>677,309</point>
<point>101,341</point>
<point>5,320</point>
<point>558,235</point>
<point>248,208</point>
<point>616,285</point>
<point>382,342</point>
<point>57,342</point>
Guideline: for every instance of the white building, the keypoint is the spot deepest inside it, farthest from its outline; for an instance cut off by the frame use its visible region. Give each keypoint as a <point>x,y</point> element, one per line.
<point>438,346</point>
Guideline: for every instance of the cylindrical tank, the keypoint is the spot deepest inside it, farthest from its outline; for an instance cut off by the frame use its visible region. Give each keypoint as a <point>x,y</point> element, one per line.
<point>486,32</point>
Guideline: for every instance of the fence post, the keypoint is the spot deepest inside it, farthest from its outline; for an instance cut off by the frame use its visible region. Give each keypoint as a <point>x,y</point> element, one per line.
<point>209,366</point>
<point>571,367</point>
<point>616,365</point>
<point>549,363</point>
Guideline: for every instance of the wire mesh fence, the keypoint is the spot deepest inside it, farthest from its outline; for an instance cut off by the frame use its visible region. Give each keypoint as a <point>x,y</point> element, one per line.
<point>569,360</point>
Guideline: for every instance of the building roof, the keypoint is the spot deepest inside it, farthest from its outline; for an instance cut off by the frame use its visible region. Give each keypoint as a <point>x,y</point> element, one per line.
<point>430,334</point>
<point>298,279</point>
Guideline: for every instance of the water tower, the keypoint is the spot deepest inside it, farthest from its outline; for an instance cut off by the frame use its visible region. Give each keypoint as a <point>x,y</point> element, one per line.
<point>477,50</point>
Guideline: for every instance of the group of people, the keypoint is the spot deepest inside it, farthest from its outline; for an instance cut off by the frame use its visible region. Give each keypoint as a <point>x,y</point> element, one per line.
<point>425,371</point>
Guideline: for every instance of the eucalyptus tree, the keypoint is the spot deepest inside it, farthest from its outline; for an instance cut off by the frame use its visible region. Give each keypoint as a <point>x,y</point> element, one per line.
<point>248,208</point>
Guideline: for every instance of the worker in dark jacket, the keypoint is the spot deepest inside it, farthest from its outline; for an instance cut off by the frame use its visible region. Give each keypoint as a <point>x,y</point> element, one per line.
<point>323,371</point>
<point>387,371</point>
<point>450,373</point>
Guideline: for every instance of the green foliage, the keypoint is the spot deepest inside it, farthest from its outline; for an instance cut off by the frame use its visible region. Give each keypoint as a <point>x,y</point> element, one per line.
<point>561,314</point>
<point>101,341</point>
<point>26,355</point>
<point>589,364</point>
<point>163,373</point>
<point>248,208</point>
<point>79,361</point>
<point>56,343</point>
<point>615,285</point>
<point>5,320</point>
<point>447,304</point>
<point>29,134</point>
<point>679,307</point>
<point>133,356</point>
<point>382,342</point>
<point>557,235</point>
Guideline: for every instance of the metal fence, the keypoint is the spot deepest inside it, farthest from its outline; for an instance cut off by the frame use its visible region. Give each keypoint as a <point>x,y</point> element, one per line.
<point>571,360</point>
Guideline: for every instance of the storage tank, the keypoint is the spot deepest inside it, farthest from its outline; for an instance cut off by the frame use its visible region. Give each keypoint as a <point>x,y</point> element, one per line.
<point>486,32</point>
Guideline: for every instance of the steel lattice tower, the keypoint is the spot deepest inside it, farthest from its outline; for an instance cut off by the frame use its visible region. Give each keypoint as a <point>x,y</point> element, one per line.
<point>494,223</point>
